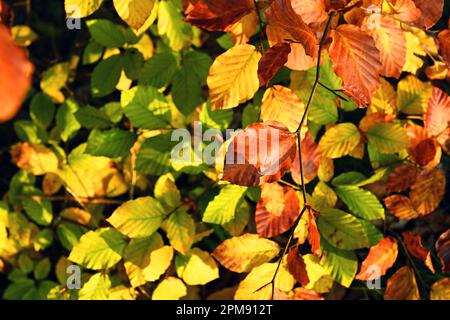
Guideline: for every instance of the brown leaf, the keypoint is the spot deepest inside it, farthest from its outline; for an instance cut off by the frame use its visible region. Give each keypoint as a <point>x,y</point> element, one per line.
<point>277,210</point>
<point>431,12</point>
<point>281,15</point>
<point>405,10</point>
<point>261,153</point>
<point>437,116</point>
<point>311,160</point>
<point>272,60</point>
<point>428,190</point>
<point>440,290</point>
<point>400,206</point>
<point>217,15</point>
<point>297,267</point>
<point>356,60</point>
<point>313,231</point>
<point>51,184</point>
<point>444,45</point>
<point>381,257</point>
<point>443,250</point>
<point>402,178</point>
<point>413,243</point>
<point>78,215</point>
<point>15,76</point>
<point>390,40</point>
<point>305,294</point>
<point>424,152</point>
<point>402,285</point>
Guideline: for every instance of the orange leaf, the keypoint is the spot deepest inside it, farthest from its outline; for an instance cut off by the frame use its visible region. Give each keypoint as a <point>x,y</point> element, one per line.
<point>272,60</point>
<point>413,244</point>
<point>281,15</point>
<point>444,45</point>
<point>424,152</point>
<point>311,160</point>
<point>217,15</point>
<point>428,190</point>
<point>313,231</point>
<point>391,41</point>
<point>443,250</point>
<point>431,11</point>
<point>297,266</point>
<point>15,76</point>
<point>356,60</point>
<point>400,206</point>
<point>277,210</point>
<point>242,30</point>
<point>405,10</point>
<point>402,285</point>
<point>381,257</point>
<point>402,178</point>
<point>312,11</point>
<point>372,119</point>
<point>437,117</point>
<point>306,294</point>
<point>261,153</point>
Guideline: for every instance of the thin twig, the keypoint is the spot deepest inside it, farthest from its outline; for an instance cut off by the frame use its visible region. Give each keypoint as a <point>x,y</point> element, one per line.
<point>333,91</point>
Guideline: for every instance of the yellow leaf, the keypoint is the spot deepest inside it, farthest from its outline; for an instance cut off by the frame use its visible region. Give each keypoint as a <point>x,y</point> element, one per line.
<point>180,229</point>
<point>241,254</point>
<point>384,100</point>
<point>413,95</point>
<point>134,12</point>
<point>440,290</point>
<point>81,8</point>
<point>96,288</point>
<point>34,158</point>
<point>23,35</point>
<point>319,278</point>
<point>54,79</point>
<point>233,77</point>
<point>339,140</point>
<point>281,104</point>
<point>170,288</point>
<point>196,267</point>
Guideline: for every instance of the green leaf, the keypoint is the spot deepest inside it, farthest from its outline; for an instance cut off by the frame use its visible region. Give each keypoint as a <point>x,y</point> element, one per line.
<point>113,111</point>
<point>340,264</point>
<point>106,33</point>
<point>172,28</point>
<point>26,265</point>
<point>18,290</point>
<point>96,288</point>
<point>30,132</point>
<point>66,123</point>
<point>69,234</point>
<point>132,63</point>
<point>159,70</point>
<point>345,231</point>
<point>223,207</point>
<point>217,119</point>
<point>180,229</point>
<point>138,218</point>
<point>166,192</point>
<point>146,108</point>
<point>93,118</point>
<point>388,137</point>
<point>362,203</point>
<point>106,75</point>
<point>323,112</point>
<point>42,110</point>
<point>42,269</point>
<point>100,249</point>
<point>38,210</point>
<point>154,156</point>
<point>113,143</point>
<point>199,63</point>
<point>92,53</point>
<point>350,178</point>
<point>186,90</point>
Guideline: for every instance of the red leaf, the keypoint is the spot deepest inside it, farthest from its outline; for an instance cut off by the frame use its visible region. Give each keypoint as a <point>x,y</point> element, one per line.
<point>443,250</point>
<point>277,210</point>
<point>402,178</point>
<point>217,15</point>
<point>313,232</point>
<point>281,15</point>
<point>437,117</point>
<point>15,76</point>
<point>413,244</point>
<point>356,60</point>
<point>431,11</point>
<point>381,257</point>
<point>297,267</point>
<point>272,60</point>
<point>261,153</point>
<point>424,152</point>
<point>311,160</point>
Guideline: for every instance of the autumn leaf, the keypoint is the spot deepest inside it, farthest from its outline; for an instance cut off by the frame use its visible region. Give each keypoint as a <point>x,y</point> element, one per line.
<point>444,45</point>
<point>400,206</point>
<point>34,158</point>
<point>339,140</point>
<point>431,11</point>
<point>282,105</point>
<point>272,60</point>
<point>402,285</point>
<point>297,266</point>
<point>381,257</point>
<point>313,12</point>
<point>402,178</point>
<point>15,76</point>
<point>276,210</point>
<point>443,250</point>
<point>413,243</point>
<point>428,190</point>
<point>440,290</point>
<point>313,231</point>
<point>403,10</point>
<point>233,77</point>
<point>311,160</point>
<point>391,42</point>
<point>242,31</point>
<point>217,15</point>
<point>281,15</point>
<point>243,253</point>
<point>259,154</point>
<point>356,60</point>
<point>437,117</point>
<point>134,12</point>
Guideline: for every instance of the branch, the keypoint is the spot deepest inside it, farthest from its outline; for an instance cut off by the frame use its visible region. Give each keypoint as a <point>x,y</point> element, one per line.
<point>299,140</point>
